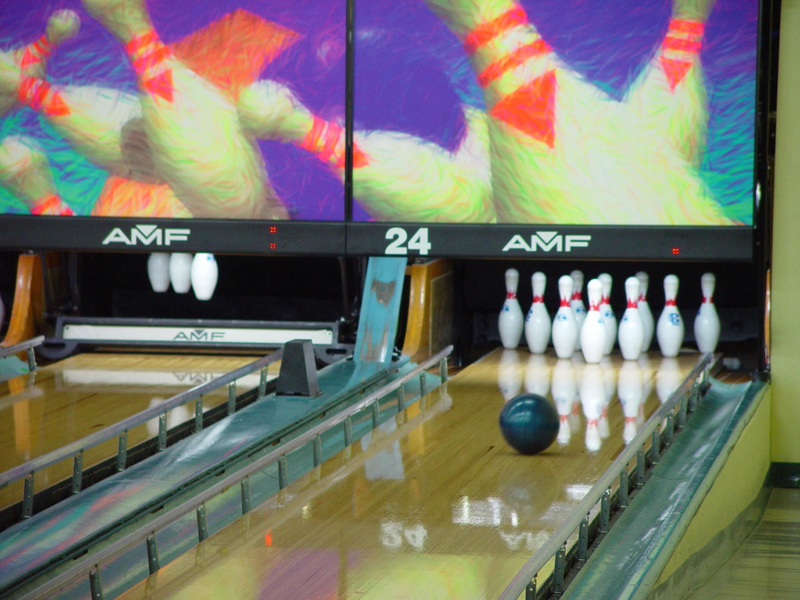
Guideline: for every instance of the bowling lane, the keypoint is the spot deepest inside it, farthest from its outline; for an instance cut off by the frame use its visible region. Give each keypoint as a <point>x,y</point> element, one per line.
<point>433,504</point>
<point>73,398</point>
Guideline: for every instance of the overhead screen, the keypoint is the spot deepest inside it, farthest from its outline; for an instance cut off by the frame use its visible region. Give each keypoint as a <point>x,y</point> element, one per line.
<point>627,122</point>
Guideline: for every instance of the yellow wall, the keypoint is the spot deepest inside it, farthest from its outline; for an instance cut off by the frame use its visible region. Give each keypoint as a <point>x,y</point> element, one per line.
<point>786,245</point>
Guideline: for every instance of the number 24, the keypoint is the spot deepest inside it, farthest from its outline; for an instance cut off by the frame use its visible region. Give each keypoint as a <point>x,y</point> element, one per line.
<point>418,241</point>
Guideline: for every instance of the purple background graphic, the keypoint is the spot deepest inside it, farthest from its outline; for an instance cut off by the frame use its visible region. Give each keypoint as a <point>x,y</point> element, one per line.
<point>313,67</point>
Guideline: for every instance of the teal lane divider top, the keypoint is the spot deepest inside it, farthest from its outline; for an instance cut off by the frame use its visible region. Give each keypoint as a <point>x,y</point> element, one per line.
<point>628,562</point>
<point>380,307</point>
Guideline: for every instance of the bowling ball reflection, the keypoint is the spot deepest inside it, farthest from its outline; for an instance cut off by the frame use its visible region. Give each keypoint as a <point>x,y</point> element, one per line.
<point>529,423</point>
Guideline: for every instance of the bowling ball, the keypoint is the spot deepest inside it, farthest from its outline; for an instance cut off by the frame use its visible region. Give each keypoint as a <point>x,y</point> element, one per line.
<point>529,423</point>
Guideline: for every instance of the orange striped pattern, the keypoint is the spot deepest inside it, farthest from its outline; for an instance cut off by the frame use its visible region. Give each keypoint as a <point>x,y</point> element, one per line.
<point>486,32</point>
<point>511,61</point>
<point>324,140</point>
<point>148,54</point>
<point>40,96</point>
<point>681,44</point>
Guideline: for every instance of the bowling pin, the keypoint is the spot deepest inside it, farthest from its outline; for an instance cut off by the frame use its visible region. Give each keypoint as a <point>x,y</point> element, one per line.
<point>644,311</point>
<point>577,303</point>
<point>706,323</point>
<point>669,330</point>
<point>608,315</point>
<point>593,332</point>
<point>631,328</point>
<point>510,322</point>
<point>537,321</point>
<point>25,172</point>
<point>181,112</point>
<point>204,275</point>
<point>565,327</point>
<point>565,389</point>
<point>180,272</point>
<point>158,271</point>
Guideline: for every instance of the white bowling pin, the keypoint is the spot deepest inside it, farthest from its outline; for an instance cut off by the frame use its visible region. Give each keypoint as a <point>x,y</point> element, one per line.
<point>564,388</point>
<point>631,328</point>
<point>565,327</point>
<point>644,311</point>
<point>669,330</point>
<point>158,271</point>
<point>509,376</point>
<point>180,271</point>
<point>510,321</point>
<point>593,331</point>
<point>537,375</point>
<point>537,321</point>
<point>630,391</point>
<point>204,275</point>
<point>577,303</point>
<point>608,315</point>
<point>706,323</point>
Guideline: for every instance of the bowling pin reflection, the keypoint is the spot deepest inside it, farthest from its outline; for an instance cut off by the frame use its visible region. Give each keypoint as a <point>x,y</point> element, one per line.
<point>176,416</point>
<point>565,388</point>
<point>593,396</point>
<point>537,375</point>
<point>610,384</point>
<point>386,464</point>
<point>631,395</point>
<point>668,378</point>
<point>509,376</point>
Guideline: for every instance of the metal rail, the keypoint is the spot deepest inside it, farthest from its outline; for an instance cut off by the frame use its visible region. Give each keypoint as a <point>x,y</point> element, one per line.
<point>120,430</point>
<point>686,396</point>
<point>27,346</point>
<point>147,533</point>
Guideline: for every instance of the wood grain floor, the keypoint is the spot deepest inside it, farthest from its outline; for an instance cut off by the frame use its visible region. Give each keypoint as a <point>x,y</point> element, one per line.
<point>433,504</point>
<point>767,566</point>
<point>73,398</point>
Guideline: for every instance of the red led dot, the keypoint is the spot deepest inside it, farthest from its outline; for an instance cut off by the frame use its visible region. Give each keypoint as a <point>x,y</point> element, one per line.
<point>676,250</point>
<point>273,229</point>
<point>273,245</point>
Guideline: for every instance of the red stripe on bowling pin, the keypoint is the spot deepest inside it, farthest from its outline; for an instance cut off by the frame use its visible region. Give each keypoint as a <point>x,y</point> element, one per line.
<point>671,303</point>
<point>323,140</point>
<point>36,52</point>
<point>564,302</point>
<point>531,109</point>
<point>682,42</point>
<point>708,300</point>
<point>40,96</point>
<point>642,298</point>
<point>512,60</point>
<point>538,299</point>
<point>594,307</point>
<point>511,295</point>
<point>51,205</point>
<point>486,32</point>
<point>577,295</point>
<point>148,53</point>
<point>633,303</point>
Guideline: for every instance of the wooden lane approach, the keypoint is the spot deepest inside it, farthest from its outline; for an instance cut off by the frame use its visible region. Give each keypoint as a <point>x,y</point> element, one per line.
<point>433,504</point>
<point>73,398</point>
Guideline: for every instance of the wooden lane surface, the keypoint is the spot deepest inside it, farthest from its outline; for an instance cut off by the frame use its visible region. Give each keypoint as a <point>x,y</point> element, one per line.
<point>767,565</point>
<point>73,398</point>
<point>433,504</point>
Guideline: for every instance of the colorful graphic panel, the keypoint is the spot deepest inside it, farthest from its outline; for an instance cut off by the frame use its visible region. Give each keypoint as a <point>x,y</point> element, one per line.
<point>184,108</point>
<point>561,112</point>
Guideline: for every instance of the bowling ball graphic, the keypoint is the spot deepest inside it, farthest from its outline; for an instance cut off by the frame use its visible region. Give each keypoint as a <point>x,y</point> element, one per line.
<point>529,423</point>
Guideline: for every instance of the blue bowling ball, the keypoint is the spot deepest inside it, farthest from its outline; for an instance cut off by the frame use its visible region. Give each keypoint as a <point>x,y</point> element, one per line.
<point>529,423</point>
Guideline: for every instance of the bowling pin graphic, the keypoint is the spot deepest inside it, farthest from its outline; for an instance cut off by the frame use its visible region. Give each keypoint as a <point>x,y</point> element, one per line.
<point>565,389</point>
<point>182,114</point>
<point>565,327</point>
<point>509,376</point>
<point>644,311</point>
<point>577,303</point>
<point>158,271</point>
<point>25,172</point>
<point>537,375</point>
<point>669,330</point>
<point>180,272</point>
<point>593,332</point>
<point>630,391</point>
<point>631,328</point>
<point>510,322</point>
<point>204,275</point>
<point>537,321</point>
<point>592,394</point>
<point>706,323</point>
<point>608,315</point>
